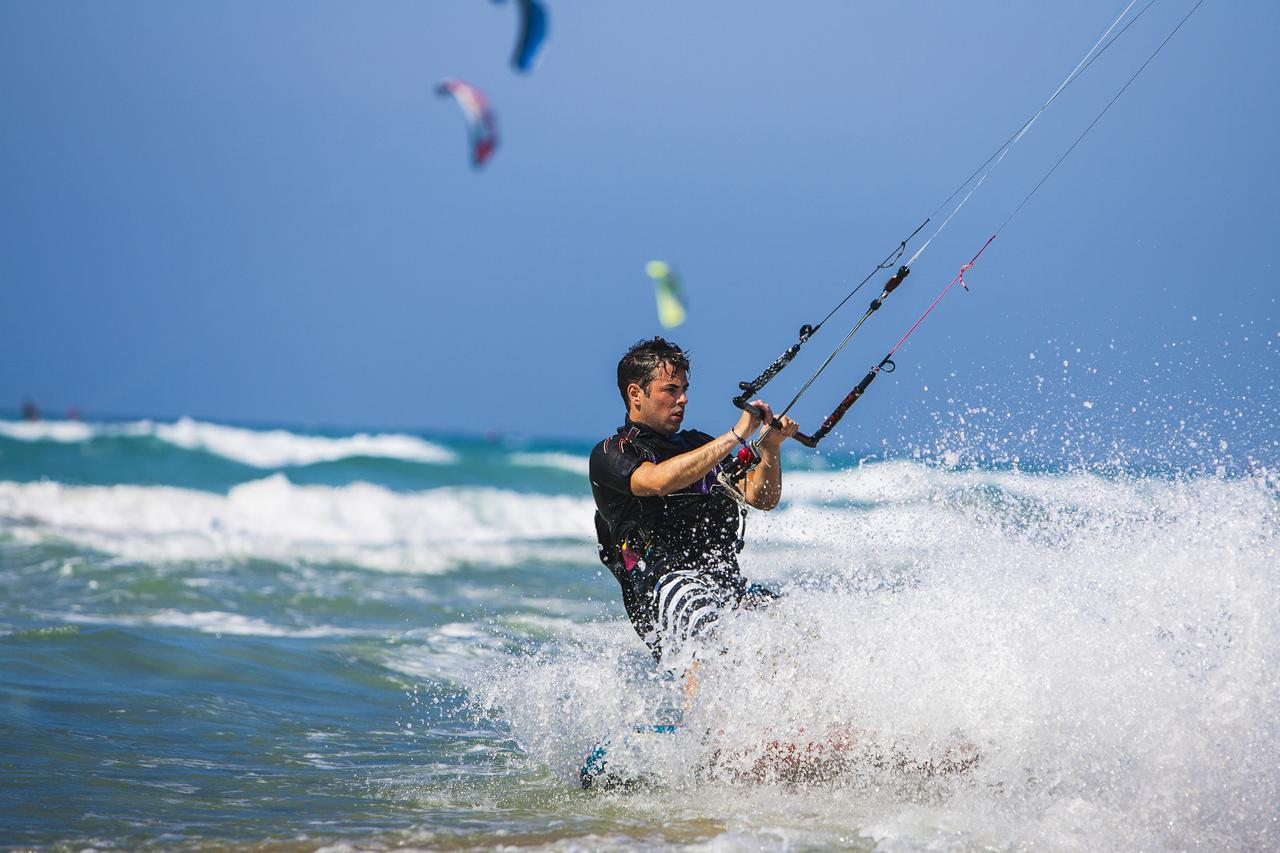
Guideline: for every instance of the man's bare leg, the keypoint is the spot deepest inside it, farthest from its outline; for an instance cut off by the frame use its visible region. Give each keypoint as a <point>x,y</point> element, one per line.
<point>690,686</point>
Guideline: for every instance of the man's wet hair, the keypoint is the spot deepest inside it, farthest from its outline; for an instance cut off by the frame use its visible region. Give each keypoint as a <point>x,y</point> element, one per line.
<point>641,363</point>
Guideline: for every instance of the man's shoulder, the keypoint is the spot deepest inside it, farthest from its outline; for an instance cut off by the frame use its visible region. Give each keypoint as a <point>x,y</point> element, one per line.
<point>620,445</point>
<point>614,459</point>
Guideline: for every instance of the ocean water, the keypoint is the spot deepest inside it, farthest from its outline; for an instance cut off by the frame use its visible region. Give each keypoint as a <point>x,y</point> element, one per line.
<point>219,636</point>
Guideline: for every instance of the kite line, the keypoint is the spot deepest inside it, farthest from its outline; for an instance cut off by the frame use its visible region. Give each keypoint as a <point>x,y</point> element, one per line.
<point>748,456</point>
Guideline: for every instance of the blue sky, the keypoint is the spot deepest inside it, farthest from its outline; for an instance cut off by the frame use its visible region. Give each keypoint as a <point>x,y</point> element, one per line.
<point>262,213</point>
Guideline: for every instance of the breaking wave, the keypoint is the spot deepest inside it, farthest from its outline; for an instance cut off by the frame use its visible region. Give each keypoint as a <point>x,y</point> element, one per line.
<point>272,518</point>
<point>276,448</point>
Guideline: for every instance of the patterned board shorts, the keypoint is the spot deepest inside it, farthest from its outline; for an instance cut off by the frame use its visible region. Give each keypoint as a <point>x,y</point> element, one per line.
<point>688,604</point>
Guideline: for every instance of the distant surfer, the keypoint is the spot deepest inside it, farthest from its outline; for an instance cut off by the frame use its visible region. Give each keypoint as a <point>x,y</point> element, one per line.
<point>669,521</point>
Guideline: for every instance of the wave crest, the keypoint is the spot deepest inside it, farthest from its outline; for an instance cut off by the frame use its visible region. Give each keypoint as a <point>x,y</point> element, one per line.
<point>276,448</point>
<point>272,518</point>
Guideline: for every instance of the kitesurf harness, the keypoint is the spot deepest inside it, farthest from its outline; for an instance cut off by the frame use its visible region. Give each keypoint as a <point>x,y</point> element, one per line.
<point>748,457</point>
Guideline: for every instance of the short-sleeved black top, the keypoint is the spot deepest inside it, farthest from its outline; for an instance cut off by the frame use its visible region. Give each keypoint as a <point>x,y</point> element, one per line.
<point>643,538</point>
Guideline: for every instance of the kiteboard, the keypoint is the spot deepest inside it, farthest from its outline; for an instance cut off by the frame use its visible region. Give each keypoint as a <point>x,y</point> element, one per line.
<point>620,761</point>
<point>626,760</point>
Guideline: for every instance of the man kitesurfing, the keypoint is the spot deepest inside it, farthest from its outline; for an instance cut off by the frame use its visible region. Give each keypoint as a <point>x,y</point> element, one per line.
<point>671,502</point>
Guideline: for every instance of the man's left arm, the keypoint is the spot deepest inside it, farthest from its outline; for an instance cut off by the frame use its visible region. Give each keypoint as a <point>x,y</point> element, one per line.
<point>763,486</point>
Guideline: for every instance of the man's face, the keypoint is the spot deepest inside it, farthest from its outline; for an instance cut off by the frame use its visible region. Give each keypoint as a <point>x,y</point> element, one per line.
<point>661,408</point>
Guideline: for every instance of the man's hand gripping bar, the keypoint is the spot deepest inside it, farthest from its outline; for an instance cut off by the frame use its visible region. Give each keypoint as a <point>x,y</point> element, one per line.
<point>775,423</point>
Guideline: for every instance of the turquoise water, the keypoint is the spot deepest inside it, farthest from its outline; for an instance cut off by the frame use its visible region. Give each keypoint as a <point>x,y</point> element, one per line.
<point>217,635</point>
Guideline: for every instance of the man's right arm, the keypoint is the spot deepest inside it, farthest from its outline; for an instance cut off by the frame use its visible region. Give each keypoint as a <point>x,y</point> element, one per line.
<point>678,472</point>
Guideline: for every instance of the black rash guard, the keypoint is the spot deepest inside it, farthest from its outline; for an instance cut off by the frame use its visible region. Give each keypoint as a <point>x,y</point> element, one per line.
<point>644,538</point>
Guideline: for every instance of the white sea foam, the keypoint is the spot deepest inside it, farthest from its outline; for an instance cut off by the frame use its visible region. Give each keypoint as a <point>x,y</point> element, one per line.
<point>65,432</point>
<point>1106,648</point>
<point>280,448</point>
<point>208,622</point>
<point>563,461</point>
<point>879,515</point>
<point>429,531</point>
<point>362,524</point>
<point>275,448</point>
